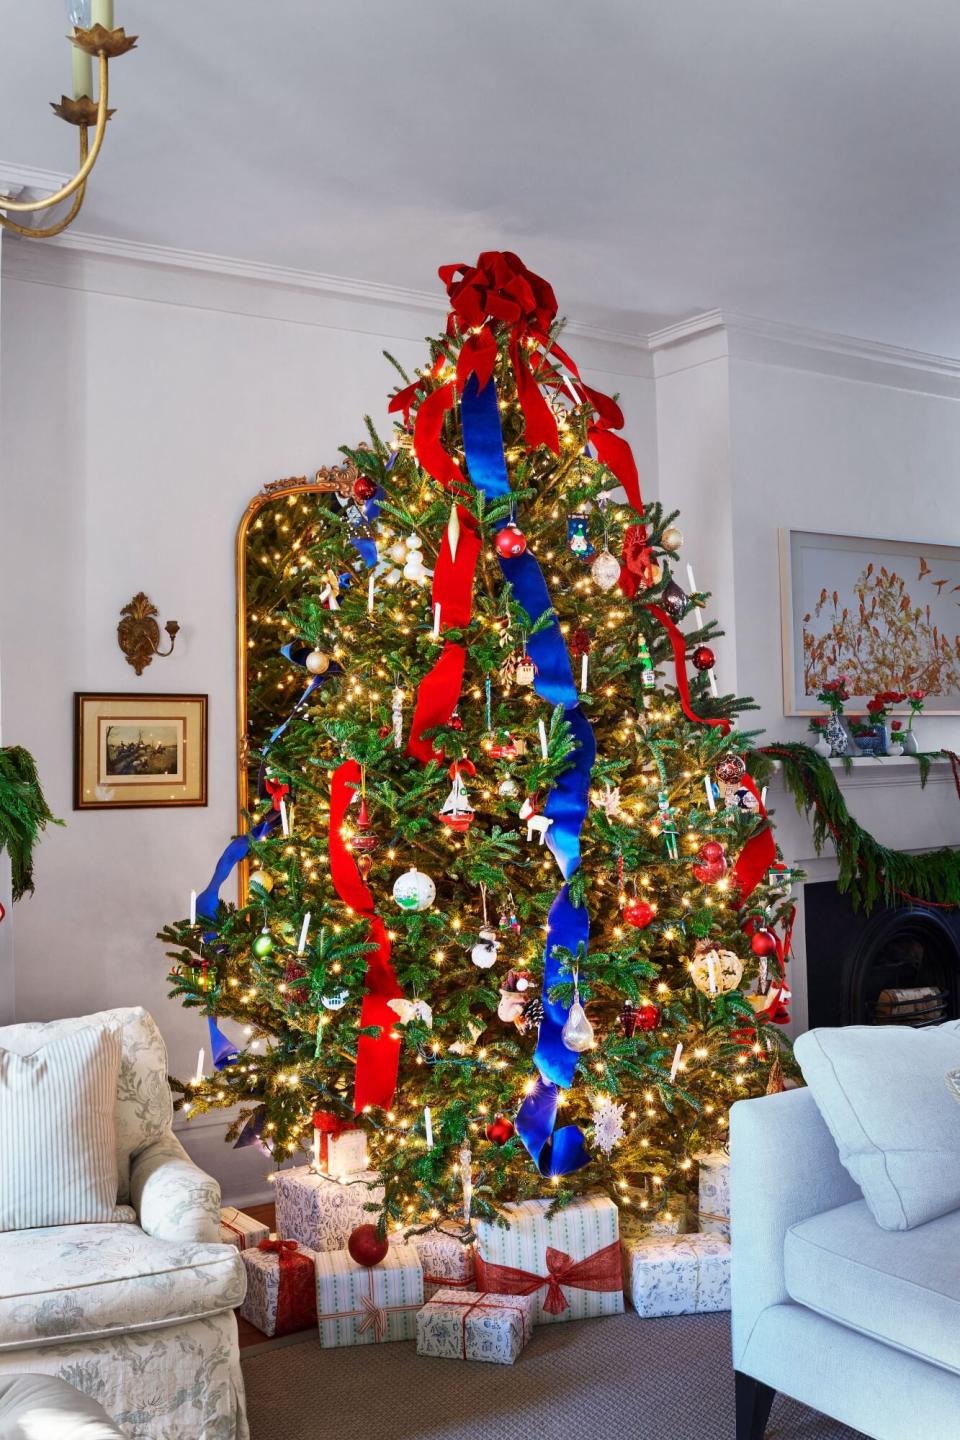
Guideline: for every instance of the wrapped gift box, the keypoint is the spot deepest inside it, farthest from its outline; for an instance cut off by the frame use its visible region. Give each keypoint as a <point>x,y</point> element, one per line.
<point>448,1262</point>
<point>570,1261</point>
<point>321,1212</point>
<point>364,1305</point>
<point>677,1274</point>
<point>466,1325</point>
<point>241,1230</point>
<point>281,1293</point>
<point>347,1154</point>
<point>713,1211</point>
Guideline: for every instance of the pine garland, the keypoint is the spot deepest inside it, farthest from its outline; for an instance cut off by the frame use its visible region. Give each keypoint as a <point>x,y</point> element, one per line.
<point>23,814</point>
<point>868,870</point>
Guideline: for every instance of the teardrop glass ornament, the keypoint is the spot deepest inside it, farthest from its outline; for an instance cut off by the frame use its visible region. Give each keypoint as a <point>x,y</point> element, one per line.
<point>605,570</point>
<point>577,1031</point>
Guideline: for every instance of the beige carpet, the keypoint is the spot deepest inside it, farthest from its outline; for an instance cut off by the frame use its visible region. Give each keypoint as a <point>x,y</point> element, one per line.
<point>617,1379</point>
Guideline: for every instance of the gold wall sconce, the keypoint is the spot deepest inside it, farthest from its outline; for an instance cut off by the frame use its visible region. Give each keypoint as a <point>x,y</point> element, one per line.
<point>138,633</point>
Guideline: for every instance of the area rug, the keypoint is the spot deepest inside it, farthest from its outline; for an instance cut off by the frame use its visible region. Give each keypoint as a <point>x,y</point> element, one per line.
<point>622,1379</point>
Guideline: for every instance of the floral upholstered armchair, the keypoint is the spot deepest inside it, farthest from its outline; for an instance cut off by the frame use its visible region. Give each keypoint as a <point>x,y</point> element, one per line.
<point>137,1313</point>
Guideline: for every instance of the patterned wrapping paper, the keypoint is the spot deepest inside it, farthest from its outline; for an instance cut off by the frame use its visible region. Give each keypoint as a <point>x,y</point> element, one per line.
<point>320,1212</point>
<point>468,1325</point>
<point>447,1262</point>
<point>240,1230</point>
<point>634,1224</point>
<point>365,1305</point>
<point>677,1275</point>
<point>262,1301</point>
<point>570,1261</point>
<point>713,1212</point>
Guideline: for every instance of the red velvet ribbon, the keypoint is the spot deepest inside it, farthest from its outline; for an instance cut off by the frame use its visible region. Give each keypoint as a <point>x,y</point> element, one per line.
<point>439,690</point>
<point>297,1291</point>
<point>599,1271</point>
<point>277,790</point>
<point>329,1126</point>
<point>679,646</point>
<point>378,1057</point>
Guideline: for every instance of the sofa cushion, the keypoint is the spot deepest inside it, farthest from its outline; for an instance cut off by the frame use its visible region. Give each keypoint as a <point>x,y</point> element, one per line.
<point>885,1095</point>
<point>144,1103</point>
<point>58,1132</point>
<point>44,1405</point>
<point>901,1288</point>
<point>67,1282</point>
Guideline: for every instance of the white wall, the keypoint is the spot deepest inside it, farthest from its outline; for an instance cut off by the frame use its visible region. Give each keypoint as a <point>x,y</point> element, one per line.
<point>142,409</point>
<point>824,452</point>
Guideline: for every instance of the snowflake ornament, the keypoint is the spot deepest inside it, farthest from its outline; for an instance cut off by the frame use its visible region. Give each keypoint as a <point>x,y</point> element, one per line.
<point>608,800</point>
<point>608,1128</point>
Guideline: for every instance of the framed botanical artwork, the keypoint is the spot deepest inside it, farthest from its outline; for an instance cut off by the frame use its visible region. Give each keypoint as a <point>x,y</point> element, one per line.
<point>883,613</point>
<point>138,751</point>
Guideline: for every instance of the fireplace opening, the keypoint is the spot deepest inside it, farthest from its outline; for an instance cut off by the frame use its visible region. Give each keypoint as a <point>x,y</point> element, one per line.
<point>898,966</point>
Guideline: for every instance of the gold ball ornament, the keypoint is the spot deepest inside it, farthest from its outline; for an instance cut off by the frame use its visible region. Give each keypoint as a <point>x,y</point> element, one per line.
<point>713,971</point>
<point>672,538</point>
<point>261,882</point>
<point>318,662</point>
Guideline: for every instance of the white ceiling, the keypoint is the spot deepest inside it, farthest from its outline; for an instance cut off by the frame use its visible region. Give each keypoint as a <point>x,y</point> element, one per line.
<point>793,159</point>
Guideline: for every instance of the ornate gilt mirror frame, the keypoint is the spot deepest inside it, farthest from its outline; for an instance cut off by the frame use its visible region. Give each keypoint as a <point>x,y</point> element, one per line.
<point>255,646</point>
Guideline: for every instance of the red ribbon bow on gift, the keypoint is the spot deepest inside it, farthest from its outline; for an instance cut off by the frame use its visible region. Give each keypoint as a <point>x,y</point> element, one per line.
<point>482,1302</point>
<point>329,1127</point>
<point>599,1271</point>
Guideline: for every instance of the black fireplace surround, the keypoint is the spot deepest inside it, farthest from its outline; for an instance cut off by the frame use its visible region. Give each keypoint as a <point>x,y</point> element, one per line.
<point>854,956</point>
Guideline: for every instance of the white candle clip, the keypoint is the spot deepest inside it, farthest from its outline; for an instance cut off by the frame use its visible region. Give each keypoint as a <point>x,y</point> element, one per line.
<point>544,748</point>
<point>584,665</point>
<point>708,788</point>
<point>676,1062</point>
<point>304,932</point>
<point>193,907</point>
<point>284,818</point>
<point>198,1078</point>
<point>436,621</point>
<point>370,583</point>
<point>428,1126</point>
<point>763,797</point>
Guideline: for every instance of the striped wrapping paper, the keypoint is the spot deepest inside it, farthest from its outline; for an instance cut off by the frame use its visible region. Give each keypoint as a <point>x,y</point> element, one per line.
<point>364,1305</point>
<point>586,1228</point>
<point>240,1230</point>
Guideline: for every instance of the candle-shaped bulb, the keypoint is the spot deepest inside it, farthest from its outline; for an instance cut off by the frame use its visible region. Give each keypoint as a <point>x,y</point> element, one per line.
<point>193,907</point>
<point>428,1126</point>
<point>304,932</point>
<point>198,1078</point>
<point>284,818</point>
<point>436,621</point>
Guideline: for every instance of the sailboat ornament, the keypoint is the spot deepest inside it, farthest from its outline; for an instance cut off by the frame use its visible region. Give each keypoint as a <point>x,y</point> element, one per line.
<point>456,811</point>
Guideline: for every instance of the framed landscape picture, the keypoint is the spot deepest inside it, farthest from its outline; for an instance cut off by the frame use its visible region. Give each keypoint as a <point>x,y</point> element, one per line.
<point>883,613</point>
<point>134,751</point>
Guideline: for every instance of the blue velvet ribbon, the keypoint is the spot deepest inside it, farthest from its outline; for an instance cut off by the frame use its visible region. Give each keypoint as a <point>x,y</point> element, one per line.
<point>224,1051</point>
<point>555,1152</point>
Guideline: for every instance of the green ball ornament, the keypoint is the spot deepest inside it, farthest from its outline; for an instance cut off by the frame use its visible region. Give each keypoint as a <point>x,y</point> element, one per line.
<point>263,944</point>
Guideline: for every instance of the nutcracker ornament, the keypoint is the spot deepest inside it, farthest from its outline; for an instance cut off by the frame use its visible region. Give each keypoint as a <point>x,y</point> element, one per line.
<point>668,824</point>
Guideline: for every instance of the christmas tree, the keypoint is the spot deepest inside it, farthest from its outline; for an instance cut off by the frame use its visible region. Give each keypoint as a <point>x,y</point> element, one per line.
<point>514,889</point>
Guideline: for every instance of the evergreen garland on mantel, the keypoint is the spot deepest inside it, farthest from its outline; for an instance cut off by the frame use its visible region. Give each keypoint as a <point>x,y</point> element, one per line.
<point>868,870</point>
<point>23,814</point>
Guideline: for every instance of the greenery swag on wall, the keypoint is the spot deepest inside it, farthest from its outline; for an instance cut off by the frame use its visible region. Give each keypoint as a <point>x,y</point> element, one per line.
<point>23,814</point>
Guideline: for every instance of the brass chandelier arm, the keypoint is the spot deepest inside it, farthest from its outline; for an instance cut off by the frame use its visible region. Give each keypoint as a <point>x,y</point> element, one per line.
<point>35,232</point>
<point>21,207</point>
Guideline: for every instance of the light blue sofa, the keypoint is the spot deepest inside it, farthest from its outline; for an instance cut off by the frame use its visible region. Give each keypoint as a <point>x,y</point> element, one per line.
<point>858,1322</point>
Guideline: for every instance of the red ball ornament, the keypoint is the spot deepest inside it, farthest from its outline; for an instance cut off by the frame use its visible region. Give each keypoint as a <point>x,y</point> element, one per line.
<point>510,541</point>
<point>730,769</point>
<point>710,871</point>
<point>500,1130</point>
<point>639,913</point>
<point>763,943</point>
<point>703,658</point>
<point>366,1246</point>
<point>648,1016</point>
<point>364,488</point>
<point>711,851</point>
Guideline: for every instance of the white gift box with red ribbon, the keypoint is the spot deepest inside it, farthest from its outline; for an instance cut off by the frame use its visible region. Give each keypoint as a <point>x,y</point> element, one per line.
<point>447,1256</point>
<point>241,1230</point>
<point>367,1305</point>
<point>569,1260</point>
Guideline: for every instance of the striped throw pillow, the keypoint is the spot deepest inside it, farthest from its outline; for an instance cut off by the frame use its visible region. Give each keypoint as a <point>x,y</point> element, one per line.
<point>58,1160</point>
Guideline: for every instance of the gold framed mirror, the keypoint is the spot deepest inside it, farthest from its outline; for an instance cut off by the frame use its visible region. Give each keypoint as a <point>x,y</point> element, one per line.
<point>274,530</point>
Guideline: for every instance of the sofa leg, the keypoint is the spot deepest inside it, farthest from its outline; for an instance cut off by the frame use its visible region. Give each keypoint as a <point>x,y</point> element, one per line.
<point>754,1400</point>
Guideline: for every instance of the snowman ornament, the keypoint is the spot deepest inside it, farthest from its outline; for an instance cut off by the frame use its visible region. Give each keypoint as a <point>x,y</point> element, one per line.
<point>485,952</point>
<point>414,569</point>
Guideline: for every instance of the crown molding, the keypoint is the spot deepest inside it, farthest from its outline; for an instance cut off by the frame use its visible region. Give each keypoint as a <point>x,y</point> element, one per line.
<point>26,182</point>
<point>717,334</point>
<point>90,255</point>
